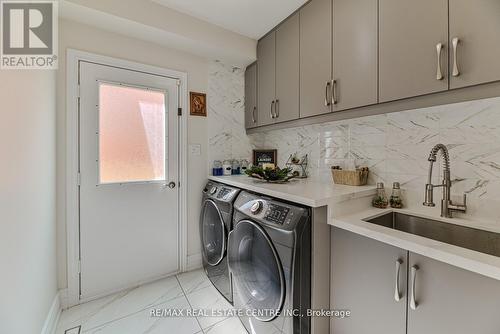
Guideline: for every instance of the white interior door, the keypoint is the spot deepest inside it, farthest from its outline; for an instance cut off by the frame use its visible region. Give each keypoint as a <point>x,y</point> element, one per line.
<point>129,226</point>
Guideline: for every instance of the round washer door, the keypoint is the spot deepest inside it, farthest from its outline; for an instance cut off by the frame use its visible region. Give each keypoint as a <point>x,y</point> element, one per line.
<point>257,272</point>
<point>213,233</point>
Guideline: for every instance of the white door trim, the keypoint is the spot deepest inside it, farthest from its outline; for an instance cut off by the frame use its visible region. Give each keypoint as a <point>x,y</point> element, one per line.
<point>72,156</point>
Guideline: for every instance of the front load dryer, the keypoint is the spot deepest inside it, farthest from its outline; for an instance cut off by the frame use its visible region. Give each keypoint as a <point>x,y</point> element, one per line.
<point>215,225</point>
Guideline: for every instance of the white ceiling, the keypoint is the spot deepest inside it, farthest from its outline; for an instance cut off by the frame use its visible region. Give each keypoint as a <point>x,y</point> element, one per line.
<point>251,18</point>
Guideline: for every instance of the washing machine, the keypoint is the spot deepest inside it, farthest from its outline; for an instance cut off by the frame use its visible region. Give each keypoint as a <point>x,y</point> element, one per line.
<point>215,224</point>
<point>269,257</point>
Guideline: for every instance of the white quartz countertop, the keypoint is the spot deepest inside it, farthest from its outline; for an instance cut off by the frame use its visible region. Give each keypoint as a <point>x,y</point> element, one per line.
<point>484,264</point>
<point>311,192</point>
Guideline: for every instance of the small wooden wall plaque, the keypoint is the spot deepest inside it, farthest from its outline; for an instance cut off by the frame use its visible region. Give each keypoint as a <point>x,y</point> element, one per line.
<point>198,104</point>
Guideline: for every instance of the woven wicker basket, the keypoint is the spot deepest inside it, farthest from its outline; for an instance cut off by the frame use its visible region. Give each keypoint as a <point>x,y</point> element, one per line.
<point>350,177</point>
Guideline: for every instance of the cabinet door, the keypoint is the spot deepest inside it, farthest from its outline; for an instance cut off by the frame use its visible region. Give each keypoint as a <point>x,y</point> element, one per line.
<point>315,57</point>
<point>251,96</point>
<point>409,32</point>
<point>266,78</point>
<point>452,300</point>
<point>355,45</point>
<point>477,25</point>
<point>287,70</point>
<point>364,280</point>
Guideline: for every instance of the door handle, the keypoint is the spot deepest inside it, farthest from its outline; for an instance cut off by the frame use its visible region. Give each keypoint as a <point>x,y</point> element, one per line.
<point>413,300</point>
<point>277,109</point>
<point>456,71</point>
<point>272,107</point>
<point>171,185</point>
<point>334,92</point>
<point>327,88</point>
<point>253,114</point>
<point>229,237</point>
<point>397,291</point>
<point>439,73</point>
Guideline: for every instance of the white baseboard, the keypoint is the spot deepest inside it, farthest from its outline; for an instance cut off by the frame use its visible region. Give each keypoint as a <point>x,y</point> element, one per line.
<point>193,262</point>
<point>50,325</point>
<point>64,299</point>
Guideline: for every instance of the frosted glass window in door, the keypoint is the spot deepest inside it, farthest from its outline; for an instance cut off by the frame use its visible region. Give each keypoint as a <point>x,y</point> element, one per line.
<point>132,134</point>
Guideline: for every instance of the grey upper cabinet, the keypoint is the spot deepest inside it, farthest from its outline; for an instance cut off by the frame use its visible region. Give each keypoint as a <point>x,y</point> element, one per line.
<point>365,279</point>
<point>266,79</point>
<point>315,58</point>
<point>336,55</point>
<point>251,96</point>
<point>287,70</point>
<point>476,26</point>
<point>411,63</point>
<point>355,56</point>
<point>452,300</point>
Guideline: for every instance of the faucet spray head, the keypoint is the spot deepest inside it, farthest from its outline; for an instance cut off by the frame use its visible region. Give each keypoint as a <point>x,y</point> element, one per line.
<point>429,196</point>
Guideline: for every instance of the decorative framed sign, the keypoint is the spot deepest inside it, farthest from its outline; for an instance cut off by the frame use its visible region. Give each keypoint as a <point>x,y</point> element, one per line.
<point>198,104</point>
<point>265,157</point>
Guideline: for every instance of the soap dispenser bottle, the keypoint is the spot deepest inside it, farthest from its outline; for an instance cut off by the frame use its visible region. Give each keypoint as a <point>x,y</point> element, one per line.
<point>380,200</point>
<point>396,201</point>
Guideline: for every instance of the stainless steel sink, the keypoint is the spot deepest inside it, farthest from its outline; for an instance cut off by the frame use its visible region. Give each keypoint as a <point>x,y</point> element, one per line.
<point>466,237</point>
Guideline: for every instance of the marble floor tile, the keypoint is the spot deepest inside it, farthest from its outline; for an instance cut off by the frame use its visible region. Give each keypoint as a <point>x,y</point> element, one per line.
<point>122,304</point>
<point>128,312</point>
<point>142,322</point>
<point>228,326</point>
<point>208,299</point>
<point>193,281</point>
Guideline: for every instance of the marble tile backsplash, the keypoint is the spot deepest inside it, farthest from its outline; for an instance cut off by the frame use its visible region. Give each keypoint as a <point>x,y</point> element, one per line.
<point>394,146</point>
<point>227,137</point>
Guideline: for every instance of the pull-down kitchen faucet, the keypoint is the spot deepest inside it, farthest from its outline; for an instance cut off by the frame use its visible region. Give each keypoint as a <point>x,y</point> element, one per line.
<point>447,206</point>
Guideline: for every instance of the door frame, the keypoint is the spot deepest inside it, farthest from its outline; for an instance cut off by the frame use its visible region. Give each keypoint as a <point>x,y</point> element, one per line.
<point>73,58</point>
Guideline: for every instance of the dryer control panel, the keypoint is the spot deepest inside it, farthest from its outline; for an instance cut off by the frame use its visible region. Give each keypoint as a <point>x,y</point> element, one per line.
<point>220,192</point>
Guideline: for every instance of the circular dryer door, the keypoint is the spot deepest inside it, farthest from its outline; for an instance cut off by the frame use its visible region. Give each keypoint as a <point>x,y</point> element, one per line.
<point>213,233</point>
<point>257,272</point>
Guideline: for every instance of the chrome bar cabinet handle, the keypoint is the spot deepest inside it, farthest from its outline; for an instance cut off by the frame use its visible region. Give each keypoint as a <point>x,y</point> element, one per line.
<point>253,114</point>
<point>277,109</point>
<point>334,92</point>
<point>456,71</point>
<point>397,291</point>
<point>413,301</point>
<point>327,89</point>
<point>439,73</point>
<point>272,110</point>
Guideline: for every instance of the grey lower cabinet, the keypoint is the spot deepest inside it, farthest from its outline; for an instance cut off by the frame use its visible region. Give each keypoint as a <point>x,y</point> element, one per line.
<point>474,42</point>
<point>315,58</point>
<point>278,74</point>
<point>452,300</point>
<point>355,56</point>
<point>251,117</point>
<point>266,79</point>
<point>413,57</point>
<point>392,291</point>
<point>364,280</point>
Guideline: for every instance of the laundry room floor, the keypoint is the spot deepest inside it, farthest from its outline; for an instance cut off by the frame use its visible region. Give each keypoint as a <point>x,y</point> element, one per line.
<point>128,312</point>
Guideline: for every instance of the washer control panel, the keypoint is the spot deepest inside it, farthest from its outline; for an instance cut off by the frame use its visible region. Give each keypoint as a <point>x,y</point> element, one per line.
<point>276,214</point>
<point>269,211</point>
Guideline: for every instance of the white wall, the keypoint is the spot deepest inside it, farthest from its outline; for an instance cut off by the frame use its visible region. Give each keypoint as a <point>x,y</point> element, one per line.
<point>82,37</point>
<point>27,199</point>
<point>149,21</point>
